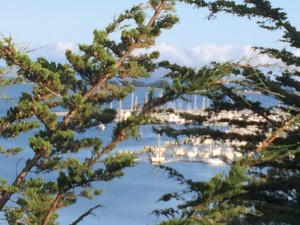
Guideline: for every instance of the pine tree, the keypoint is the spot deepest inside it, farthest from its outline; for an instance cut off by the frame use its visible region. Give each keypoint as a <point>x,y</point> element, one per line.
<point>83,88</point>
<point>263,187</point>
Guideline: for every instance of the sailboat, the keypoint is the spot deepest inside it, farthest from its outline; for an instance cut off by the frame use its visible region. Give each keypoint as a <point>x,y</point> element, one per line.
<point>140,134</point>
<point>214,161</point>
<point>209,158</point>
<point>179,151</point>
<point>228,154</point>
<point>204,154</point>
<point>158,152</point>
<point>157,157</point>
<point>193,152</point>
<point>101,126</point>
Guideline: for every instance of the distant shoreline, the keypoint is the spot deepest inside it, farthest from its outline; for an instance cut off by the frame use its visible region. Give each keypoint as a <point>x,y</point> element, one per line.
<point>158,84</point>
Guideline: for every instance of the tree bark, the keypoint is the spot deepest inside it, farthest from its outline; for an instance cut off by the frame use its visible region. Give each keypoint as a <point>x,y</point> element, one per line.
<point>85,97</point>
<point>53,207</point>
<point>6,195</point>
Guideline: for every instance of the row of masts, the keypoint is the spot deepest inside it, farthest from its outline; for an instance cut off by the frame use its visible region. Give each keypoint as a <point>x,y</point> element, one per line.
<point>125,113</point>
<point>134,103</point>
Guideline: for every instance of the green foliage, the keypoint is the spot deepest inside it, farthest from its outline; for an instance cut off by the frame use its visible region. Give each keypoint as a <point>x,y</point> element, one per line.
<point>82,87</point>
<point>264,182</point>
<point>40,146</point>
<point>34,199</point>
<point>11,151</point>
<point>88,212</point>
<point>179,222</point>
<point>114,164</point>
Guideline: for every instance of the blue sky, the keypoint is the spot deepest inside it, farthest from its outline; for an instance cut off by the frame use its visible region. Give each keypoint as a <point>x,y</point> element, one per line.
<point>51,26</point>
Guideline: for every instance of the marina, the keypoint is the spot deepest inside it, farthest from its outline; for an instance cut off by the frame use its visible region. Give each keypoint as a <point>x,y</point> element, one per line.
<point>170,151</point>
<point>134,196</point>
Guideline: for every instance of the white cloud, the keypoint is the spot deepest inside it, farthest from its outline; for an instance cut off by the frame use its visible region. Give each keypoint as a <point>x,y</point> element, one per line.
<point>54,52</point>
<point>195,56</point>
<point>63,46</point>
<point>252,57</point>
<point>209,52</point>
<point>200,55</point>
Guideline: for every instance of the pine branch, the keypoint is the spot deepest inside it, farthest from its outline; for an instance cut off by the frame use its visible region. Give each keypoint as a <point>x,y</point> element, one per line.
<point>265,144</point>
<point>53,207</point>
<point>6,195</point>
<point>118,136</point>
<point>87,213</point>
<point>49,89</point>
<point>118,64</point>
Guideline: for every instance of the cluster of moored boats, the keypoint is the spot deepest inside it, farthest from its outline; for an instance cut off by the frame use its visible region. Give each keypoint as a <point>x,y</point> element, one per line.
<point>204,149</point>
<point>207,151</point>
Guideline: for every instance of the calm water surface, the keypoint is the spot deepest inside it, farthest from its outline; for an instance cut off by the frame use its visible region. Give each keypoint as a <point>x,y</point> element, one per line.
<point>128,200</point>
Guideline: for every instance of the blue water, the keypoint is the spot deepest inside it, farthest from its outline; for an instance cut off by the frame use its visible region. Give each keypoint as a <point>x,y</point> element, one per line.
<point>128,200</point>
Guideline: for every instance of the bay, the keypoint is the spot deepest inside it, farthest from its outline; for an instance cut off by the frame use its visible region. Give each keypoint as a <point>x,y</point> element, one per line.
<point>128,200</point>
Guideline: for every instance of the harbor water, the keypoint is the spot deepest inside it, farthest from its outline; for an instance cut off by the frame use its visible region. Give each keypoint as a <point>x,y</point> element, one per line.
<point>128,200</point>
